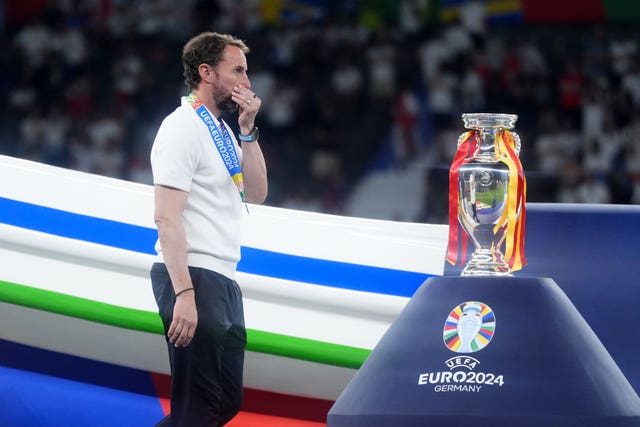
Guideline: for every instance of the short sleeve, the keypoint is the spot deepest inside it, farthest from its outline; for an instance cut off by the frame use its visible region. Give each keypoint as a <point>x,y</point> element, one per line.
<point>175,153</point>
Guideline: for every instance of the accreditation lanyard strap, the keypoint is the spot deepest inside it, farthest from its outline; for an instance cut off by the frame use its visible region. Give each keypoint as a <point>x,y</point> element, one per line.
<point>222,141</point>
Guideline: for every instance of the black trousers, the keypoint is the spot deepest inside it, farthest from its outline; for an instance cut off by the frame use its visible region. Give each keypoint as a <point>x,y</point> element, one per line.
<point>206,376</point>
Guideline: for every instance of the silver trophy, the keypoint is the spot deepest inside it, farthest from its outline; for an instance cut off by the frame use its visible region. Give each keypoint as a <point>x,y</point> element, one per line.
<point>483,191</point>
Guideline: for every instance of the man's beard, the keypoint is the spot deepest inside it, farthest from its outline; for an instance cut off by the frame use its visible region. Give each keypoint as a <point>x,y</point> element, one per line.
<point>223,100</point>
<point>227,105</point>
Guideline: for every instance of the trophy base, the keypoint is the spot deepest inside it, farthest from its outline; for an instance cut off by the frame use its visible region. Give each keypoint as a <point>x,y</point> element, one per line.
<point>534,363</point>
<point>484,262</point>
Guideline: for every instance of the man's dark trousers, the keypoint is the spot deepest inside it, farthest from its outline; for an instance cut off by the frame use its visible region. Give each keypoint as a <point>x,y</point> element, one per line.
<point>206,376</point>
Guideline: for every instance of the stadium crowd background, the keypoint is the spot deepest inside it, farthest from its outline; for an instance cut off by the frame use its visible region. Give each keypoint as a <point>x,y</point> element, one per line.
<point>347,87</point>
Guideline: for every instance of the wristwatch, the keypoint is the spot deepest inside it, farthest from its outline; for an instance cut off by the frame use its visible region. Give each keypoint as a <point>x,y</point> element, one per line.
<point>252,137</point>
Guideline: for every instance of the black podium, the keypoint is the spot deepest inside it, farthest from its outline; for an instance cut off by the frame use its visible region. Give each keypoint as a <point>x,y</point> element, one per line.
<point>488,352</point>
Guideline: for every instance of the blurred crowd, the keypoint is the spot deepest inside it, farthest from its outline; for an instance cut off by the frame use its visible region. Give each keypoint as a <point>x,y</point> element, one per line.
<point>576,90</point>
<point>344,90</point>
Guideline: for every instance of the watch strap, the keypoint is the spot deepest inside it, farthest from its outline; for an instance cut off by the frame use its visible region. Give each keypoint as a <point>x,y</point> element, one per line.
<point>252,137</point>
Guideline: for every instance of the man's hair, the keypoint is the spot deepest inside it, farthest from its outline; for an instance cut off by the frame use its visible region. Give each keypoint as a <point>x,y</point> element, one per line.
<point>205,48</point>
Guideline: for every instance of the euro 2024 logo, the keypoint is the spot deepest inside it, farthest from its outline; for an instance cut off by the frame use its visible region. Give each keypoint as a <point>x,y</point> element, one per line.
<point>469,328</point>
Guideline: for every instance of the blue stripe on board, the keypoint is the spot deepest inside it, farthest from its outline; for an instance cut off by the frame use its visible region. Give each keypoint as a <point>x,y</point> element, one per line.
<point>23,357</point>
<point>254,261</point>
<point>77,226</point>
<point>331,273</point>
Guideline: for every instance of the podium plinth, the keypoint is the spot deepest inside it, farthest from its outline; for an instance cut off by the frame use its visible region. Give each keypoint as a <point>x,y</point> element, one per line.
<point>488,352</point>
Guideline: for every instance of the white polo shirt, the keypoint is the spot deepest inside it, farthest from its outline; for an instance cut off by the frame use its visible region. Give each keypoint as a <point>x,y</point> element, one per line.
<point>184,157</point>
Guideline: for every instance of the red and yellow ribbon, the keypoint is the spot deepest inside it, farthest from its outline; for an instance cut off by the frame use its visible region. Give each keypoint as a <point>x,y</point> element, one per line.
<point>457,237</point>
<point>514,215</point>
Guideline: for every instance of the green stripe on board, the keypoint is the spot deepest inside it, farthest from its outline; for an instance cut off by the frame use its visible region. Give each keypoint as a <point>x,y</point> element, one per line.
<point>145,321</point>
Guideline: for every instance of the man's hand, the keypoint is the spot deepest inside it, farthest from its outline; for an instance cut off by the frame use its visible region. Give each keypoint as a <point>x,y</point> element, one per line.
<point>249,104</point>
<point>185,320</point>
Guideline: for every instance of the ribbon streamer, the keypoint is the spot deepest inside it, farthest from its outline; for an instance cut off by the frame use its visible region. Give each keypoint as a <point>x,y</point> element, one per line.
<point>514,215</point>
<point>468,146</point>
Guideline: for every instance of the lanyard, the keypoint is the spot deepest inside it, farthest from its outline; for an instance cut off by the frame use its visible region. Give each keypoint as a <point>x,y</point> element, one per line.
<point>223,143</point>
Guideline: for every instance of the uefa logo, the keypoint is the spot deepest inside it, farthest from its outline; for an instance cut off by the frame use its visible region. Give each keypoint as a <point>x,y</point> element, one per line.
<point>469,327</point>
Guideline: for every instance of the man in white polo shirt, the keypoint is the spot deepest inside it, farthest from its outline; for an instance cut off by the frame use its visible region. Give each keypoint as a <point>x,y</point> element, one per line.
<point>202,177</point>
